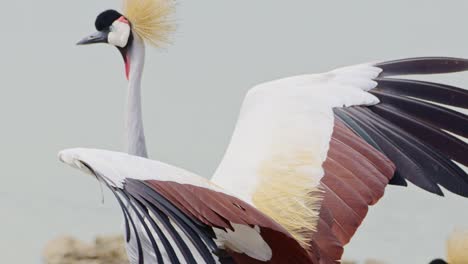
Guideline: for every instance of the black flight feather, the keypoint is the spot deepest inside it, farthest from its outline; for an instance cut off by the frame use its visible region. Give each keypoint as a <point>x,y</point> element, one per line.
<point>435,165</point>
<point>154,245</point>
<point>344,116</point>
<point>192,230</point>
<point>406,165</point>
<point>124,208</point>
<point>438,93</point>
<point>423,65</point>
<point>434,115</point>
<point>447,144</point>
<point>171,230</point>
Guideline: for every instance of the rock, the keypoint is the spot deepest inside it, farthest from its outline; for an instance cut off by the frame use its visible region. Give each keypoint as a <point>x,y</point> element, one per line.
<point>68,250</point>
<point>104,250</point>
<point>373,261</point>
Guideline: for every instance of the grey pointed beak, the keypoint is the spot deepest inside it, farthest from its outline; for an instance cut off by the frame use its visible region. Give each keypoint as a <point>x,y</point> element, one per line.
<point>97,37</point>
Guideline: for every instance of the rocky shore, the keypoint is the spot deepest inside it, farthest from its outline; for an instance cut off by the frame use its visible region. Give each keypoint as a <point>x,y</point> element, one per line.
<point>111,250</point>
<point>104,250</point>
<point>68,250</point>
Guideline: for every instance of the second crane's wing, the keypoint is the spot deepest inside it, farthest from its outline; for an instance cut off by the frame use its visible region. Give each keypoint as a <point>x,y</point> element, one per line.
<point>174,216</point>
<point>314,151</point>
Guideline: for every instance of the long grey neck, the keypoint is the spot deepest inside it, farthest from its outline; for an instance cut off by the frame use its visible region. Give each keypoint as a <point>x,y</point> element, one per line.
<point>135,136</point>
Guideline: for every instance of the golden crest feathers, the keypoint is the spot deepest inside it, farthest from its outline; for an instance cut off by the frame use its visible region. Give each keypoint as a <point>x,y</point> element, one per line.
<point>151,19</point>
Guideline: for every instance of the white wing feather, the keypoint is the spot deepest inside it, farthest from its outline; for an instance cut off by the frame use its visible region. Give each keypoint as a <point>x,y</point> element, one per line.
<point>115,167</point>
<point>282,119</point>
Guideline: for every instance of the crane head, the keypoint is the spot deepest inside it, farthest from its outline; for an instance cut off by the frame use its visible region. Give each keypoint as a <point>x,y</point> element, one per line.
<point>147,20</point>
<point>112,28</point>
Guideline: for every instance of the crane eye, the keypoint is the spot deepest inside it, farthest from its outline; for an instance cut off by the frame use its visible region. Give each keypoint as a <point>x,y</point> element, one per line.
<point>111,28</point>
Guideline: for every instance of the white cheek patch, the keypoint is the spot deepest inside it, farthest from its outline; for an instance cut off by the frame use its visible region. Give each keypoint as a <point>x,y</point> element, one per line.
<point>119,34</point>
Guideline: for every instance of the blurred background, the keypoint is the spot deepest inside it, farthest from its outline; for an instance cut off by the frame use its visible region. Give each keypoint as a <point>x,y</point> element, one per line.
<point>56,95</point>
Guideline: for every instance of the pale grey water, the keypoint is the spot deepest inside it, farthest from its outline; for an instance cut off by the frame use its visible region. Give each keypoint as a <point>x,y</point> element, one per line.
<point>56,95</point>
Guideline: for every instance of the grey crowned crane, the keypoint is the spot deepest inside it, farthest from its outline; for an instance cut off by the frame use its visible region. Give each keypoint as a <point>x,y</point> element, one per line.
<point>307,158</point>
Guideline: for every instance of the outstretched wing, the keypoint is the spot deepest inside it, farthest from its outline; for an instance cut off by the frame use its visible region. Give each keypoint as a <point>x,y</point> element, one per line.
<point>343,136</point>
<point>173,216</point>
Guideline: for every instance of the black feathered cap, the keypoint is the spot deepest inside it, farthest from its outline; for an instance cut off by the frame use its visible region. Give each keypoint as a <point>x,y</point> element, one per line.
<point>106,18</point>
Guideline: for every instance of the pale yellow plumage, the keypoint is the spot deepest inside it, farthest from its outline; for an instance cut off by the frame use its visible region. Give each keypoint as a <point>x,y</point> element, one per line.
<point>151,19</point>
<point>457,247</point>
<point>287,193</point>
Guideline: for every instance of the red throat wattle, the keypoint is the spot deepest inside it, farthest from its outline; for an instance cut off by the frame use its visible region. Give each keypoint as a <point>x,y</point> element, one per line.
<point>127,67</point>
<point>127,57</point>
